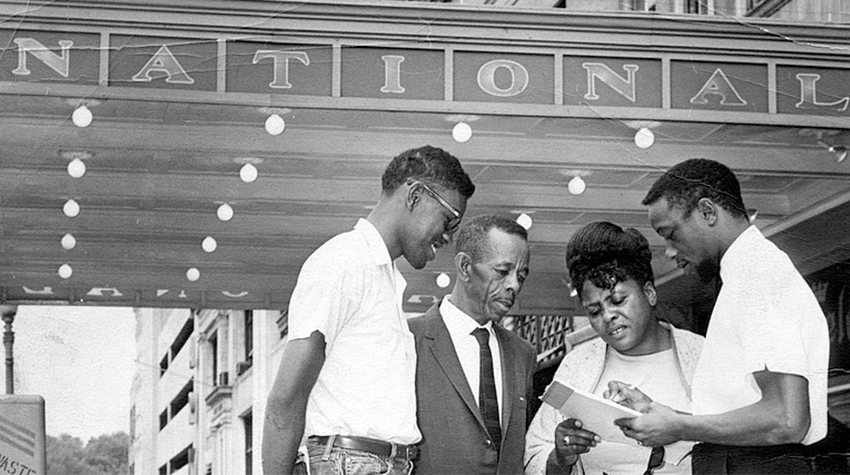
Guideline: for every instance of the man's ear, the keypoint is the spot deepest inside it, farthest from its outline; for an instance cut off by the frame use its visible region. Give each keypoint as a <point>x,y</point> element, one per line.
<point>708,210</point>
<point>414,194</point>
<point>463,262</point>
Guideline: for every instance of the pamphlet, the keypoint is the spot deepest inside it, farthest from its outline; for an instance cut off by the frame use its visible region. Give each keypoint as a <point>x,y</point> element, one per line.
<point>596,414</point>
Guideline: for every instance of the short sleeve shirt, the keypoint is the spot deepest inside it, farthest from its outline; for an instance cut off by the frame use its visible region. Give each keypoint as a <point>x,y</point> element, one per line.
<point>350,291</point>
<point>765,317</point>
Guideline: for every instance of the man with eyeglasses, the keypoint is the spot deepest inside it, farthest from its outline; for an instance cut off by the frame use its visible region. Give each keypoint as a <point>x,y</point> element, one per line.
<point>344,399</point>
<point>475,379</point>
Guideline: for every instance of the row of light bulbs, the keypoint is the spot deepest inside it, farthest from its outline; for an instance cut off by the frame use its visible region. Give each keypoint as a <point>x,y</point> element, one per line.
<point>77,168</point>
<point>82,117</point>
<point>275,125</point>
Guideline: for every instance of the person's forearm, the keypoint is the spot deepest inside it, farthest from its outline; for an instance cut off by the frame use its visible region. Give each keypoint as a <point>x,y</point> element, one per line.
<point>282,435</point>
<point>780,417</point>
<point>560,467</point>
<point>287,404</point>
<point>754,425</point>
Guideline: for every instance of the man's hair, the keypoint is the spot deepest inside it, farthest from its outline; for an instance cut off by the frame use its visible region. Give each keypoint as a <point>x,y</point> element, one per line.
<point>689,181</point>
<point>428,164</point>
<point>606,254</point>
<point>472,238</point>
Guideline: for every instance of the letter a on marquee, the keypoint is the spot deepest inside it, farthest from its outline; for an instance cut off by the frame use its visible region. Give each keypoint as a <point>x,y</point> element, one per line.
<point>718,84</point>
<point>164,62</point>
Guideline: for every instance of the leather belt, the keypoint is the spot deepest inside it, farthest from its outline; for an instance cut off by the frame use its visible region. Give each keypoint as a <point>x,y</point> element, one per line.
<point>372,446</point>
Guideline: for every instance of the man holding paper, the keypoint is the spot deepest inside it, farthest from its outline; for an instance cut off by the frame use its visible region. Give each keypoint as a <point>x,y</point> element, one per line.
<point>611,269</point>
<point>760,387</point>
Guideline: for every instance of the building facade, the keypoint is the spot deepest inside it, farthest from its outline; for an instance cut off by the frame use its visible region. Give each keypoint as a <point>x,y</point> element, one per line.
<point>198,398</point>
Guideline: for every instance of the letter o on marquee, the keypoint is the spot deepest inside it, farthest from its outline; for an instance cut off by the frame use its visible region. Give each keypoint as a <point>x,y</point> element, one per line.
<point>487,78</point>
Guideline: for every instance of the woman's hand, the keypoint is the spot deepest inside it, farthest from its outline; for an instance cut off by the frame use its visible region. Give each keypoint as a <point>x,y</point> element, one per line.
<point>571,440</point>
<point>628,396</point>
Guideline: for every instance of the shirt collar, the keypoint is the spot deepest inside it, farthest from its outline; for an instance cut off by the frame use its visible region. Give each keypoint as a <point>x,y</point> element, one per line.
<point>378,250</point>
<point>739,249</point>
<point>457,321</point>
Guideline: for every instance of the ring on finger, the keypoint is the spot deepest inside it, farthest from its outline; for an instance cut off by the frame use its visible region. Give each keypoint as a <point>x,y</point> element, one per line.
<point>566,440</point>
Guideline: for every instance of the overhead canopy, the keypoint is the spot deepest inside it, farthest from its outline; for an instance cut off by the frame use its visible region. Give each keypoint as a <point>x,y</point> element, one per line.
<point>164,151</point>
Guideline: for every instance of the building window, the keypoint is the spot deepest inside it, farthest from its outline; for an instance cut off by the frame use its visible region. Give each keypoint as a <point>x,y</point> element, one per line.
<point>248,421</point>
<point>283,323</point>
<point>182,398</point>
<point>163,419</point>
<point>214,356</point>
<point>180,460</point>
<point>183,336</point>
<point>163,366</point>
<point>249,336</point>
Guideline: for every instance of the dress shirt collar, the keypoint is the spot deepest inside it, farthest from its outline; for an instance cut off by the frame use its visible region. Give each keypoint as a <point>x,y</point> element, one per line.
<point>740,248</point>
<point>458,322</point>
<point>377,247</point>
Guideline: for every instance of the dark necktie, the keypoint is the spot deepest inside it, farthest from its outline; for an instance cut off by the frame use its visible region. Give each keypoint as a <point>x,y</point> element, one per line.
<point>487,402</point>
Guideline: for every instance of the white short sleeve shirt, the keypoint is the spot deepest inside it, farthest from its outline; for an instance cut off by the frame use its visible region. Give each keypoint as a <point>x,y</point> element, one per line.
<point>765,317</point>
<point>350,291</point>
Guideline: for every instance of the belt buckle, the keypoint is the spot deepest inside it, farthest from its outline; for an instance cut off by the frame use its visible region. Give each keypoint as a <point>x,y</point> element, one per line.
<point>412,452</point>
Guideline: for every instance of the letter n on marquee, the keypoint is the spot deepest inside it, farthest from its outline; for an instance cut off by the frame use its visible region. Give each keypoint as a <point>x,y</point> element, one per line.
<point>56,62</point>
<point>625,86</point>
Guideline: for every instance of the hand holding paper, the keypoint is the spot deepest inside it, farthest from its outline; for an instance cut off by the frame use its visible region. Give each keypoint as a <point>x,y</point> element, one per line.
<point>627,395</point>
<point>597,414</point>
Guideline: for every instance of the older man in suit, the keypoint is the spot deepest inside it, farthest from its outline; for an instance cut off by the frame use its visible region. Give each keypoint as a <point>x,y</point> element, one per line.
<point>474,379</point>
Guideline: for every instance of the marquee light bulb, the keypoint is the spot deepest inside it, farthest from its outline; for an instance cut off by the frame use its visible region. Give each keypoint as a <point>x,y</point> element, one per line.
<point>193,274</point>
<point>71,208</point>
<point>76,168</point>
<point>65,271</point>
<point>524,220</point>
<point>577,185</point>
<point>462,132</point>
<point>82,116</point>
<point>644,138</point>
<point>209,244</point>
<point>225,212</point>
<point>275,124</point>
<point>248,173</point>
<point>443,280</point>
<point>69,242</point>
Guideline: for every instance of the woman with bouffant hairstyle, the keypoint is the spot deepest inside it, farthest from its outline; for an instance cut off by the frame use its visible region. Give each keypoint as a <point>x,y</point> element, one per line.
<point>611,268</point>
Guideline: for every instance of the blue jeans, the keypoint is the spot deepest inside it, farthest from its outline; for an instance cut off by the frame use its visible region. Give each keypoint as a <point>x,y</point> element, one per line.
<point>339,461</point>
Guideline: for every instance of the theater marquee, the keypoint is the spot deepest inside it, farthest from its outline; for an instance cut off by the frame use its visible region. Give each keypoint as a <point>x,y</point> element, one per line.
<point>439,73</point>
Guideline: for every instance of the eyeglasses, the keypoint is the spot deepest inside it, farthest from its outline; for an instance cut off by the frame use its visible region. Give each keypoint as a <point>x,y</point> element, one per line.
<point>453,223</point>
<point>656,460</point>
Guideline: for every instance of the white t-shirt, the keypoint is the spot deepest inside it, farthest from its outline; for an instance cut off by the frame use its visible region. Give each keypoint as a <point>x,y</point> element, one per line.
<point>765,317</point>
<point>350,290</point>
<point>657,375</point>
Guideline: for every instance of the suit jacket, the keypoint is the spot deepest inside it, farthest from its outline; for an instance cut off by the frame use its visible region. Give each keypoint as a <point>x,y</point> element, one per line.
<point>454,437</point>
